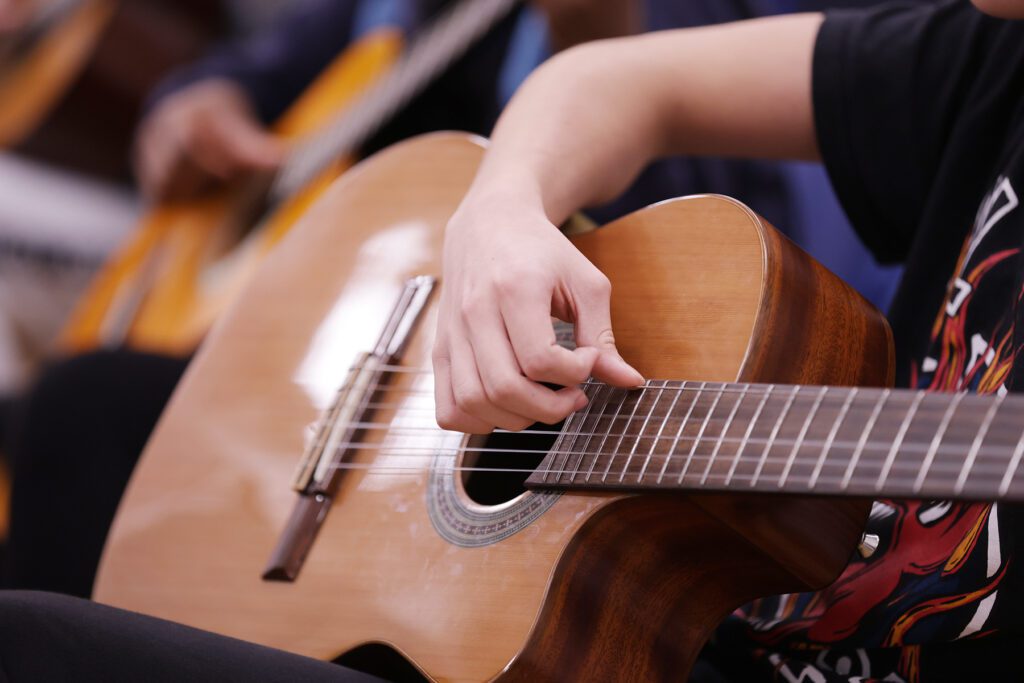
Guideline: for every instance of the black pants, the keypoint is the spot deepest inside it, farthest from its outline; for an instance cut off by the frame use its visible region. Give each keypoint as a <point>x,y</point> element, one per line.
<point>75,440</point>
<point>47,637</point>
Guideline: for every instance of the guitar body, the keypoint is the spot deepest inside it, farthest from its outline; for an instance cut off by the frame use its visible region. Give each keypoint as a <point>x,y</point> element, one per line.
<point>542,587</point>
<point>165,287</point>
<point>73,97</point>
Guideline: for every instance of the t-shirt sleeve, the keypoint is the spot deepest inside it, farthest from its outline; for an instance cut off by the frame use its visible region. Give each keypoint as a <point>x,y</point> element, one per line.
<point>889,86</point>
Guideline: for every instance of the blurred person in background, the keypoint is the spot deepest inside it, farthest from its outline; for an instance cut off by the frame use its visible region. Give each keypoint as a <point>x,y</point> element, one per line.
<point>80,431</point>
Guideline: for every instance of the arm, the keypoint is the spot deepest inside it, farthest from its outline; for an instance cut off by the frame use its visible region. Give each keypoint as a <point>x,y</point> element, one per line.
<point>577,133</point>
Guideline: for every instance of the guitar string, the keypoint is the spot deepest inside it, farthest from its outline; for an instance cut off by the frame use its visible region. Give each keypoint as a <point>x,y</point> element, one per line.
<point>410,413</point>
<point>752,389</point>
<point>430,451</point>
<point>865,484</point>
<point>836,400</point>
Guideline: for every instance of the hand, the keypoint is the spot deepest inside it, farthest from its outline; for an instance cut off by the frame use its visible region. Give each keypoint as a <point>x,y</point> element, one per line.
<point>14,15</point>
<point>505,274</point>
<point>203,134</point>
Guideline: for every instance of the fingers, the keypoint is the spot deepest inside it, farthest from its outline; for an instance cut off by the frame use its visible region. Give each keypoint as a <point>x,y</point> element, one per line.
<point>247,146</point>
<point>594,330</point>
<point>470,396</point>
<point>203,134</point>
<point>448,414</point>
<point>507,388</point>
<point>527,321</point>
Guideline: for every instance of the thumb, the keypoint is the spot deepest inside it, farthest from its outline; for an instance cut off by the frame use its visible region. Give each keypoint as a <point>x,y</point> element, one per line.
<point>594,329</point>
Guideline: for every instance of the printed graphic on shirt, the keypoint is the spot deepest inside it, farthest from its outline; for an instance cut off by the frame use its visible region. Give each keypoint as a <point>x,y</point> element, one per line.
<point>937,571</point>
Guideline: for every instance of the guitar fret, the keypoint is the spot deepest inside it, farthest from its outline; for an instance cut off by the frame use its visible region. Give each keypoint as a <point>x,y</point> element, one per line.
<point>820,464</point>
<point>574,426</point>
<point>640,434</point>
<point>722,435</point>
<point>622,433</point>
<point>583,451</point>
<point>604,438</point>
<point>772,436</point>
<point>738,436</point>
<point>657,437</point>
<point>682,425</point>
<point>747,433</point>
<point>933,447</point>
<point>801,436</point>
<point>855,457</point>
<point>900,435</point>
<point>1011,468</point>
<point>700,435</point>
<point>976,446</point>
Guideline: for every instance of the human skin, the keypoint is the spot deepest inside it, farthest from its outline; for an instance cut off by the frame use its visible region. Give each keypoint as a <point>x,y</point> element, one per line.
<point>740,89</point>
<point>14,14</point>
<point>578,132</point>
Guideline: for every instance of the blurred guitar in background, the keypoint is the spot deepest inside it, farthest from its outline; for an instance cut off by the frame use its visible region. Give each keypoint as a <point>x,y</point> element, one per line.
<point>187,260</point>
<point>73,78</point>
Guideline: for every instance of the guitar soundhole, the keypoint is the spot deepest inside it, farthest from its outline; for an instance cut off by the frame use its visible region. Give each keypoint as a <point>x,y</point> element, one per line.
<point>497,465</point>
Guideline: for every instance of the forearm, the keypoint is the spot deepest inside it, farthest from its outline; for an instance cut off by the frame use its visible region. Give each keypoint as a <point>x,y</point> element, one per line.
<point>586,123</point>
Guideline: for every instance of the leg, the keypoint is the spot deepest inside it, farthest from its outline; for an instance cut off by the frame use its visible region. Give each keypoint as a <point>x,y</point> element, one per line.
<point>82,428</point>
<point>48,637</point>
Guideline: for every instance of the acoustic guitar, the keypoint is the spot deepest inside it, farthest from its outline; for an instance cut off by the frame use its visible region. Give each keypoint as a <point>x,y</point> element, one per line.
<point>163,290</point>
<point>605,549</point>
<point>72,82</point>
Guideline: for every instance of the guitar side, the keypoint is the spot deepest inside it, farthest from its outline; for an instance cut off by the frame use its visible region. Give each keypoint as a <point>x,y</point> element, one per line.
<point>599,586</point>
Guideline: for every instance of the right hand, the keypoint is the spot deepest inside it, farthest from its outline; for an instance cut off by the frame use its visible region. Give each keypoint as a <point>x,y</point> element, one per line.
<point>204,134</point>
<point>506,272</point>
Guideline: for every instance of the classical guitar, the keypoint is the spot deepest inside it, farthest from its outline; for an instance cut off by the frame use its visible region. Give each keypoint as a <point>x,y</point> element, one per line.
<point>188,259</point>
<point>72,82</point>
<point>604,549</point>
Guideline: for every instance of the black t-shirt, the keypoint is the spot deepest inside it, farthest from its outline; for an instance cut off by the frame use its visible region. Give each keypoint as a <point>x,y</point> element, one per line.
<point>920,120</point>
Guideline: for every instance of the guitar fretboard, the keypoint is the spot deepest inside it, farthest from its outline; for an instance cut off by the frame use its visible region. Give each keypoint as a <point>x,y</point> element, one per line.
<point>792,439</point>
<point>432,52</point>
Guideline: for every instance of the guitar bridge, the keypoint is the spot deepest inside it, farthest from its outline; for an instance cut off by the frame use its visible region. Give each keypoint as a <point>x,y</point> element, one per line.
<point>319,474</point>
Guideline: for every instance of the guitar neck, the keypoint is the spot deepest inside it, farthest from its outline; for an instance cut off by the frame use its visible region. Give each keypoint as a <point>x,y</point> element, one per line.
<point>441,43</point>
<point>860,442</point>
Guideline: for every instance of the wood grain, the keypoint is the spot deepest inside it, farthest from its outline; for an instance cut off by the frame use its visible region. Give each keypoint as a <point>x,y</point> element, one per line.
<point>616,587</point>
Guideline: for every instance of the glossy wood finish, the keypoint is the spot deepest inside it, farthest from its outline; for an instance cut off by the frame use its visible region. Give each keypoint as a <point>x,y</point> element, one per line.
<point>74,97</point>
<point>609,586</point>
<point>187,260</point>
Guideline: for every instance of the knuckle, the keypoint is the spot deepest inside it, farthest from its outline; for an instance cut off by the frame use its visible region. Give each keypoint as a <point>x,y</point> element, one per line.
<point>537,364</point>
<point>504,388</point>
<point>472,306</point>
<point>507,282</point>
<point>606,337</point>
<point>447,418</point>
<point>601,284</point>
<point>470,400</point>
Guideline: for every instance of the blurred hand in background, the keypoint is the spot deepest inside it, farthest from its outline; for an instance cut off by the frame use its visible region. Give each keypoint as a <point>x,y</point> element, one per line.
<point>203,135</point>
<point>14,14</point>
